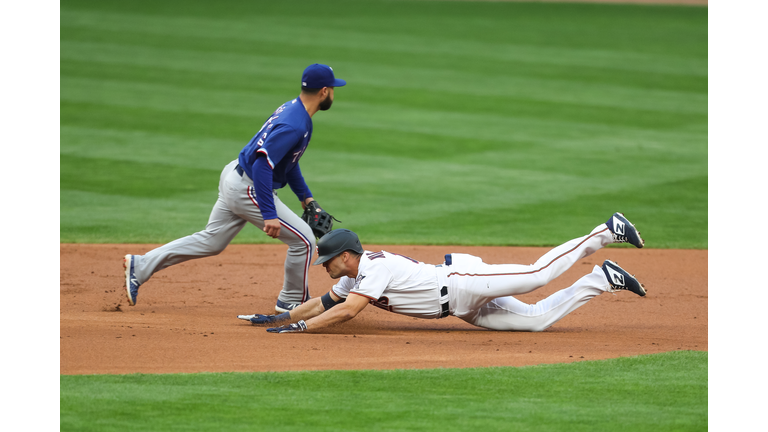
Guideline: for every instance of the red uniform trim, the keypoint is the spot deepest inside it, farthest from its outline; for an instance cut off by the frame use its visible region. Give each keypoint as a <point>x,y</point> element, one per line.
<point>305,293</point>
<point>264,152</point>
<point>366,296</point>
<point>532,271</point>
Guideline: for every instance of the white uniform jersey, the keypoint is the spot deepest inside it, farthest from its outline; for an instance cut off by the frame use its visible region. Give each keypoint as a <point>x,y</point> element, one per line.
<point>396,283</point>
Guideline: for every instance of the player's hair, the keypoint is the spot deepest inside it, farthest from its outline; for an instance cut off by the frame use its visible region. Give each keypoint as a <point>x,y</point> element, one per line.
<point>353,253</point>
<point>311,91</point>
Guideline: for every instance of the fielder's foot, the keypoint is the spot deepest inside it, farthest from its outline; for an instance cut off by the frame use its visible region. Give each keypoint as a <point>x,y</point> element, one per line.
<point>246,317</point>
<point>621,280</point>
<point>131,283</point>
<point>282,306</point>
<point>623,230</point>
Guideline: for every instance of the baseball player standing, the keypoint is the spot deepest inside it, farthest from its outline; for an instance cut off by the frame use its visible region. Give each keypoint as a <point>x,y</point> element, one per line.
<point>463,286</point>
<point>247,193</point>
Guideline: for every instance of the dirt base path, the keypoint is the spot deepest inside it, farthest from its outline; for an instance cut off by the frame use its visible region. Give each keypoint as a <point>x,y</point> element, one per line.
<point>185,319</point>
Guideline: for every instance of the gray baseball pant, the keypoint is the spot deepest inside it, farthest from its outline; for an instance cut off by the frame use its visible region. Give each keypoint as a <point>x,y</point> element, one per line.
<point>236,205</point>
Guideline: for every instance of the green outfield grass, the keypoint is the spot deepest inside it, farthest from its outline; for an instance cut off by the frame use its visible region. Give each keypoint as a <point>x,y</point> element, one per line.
<point>662,392</point>
<point>463,122</point>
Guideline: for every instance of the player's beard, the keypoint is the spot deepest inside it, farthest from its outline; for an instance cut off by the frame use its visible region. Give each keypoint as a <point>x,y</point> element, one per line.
<point>326,103</point>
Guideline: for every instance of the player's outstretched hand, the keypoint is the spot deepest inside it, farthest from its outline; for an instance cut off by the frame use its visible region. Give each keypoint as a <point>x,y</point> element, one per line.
<point>289,328</point>
<point>265,319</point>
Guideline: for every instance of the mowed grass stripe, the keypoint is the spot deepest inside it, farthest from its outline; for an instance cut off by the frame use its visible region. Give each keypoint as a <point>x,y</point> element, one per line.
<point>445,36</point>
<point>497,218</point>
<point>655,392</point>
<point>500,126</point>
<point>191,146</point>
<point>508,82</point>
<point>475,126</point>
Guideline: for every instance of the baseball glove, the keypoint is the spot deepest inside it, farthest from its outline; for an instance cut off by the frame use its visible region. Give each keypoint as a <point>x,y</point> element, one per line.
<point>318,219</point>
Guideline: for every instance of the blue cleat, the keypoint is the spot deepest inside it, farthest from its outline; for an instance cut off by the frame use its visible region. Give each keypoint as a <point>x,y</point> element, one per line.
<point>623,230</point>
<point>621,280</point>
<point>131,283</point>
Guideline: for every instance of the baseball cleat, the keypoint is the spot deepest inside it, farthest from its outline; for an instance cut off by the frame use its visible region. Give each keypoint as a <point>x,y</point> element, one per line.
<point>619,279</point>
<point>282,306</point>
<point>623,230</point>
<point>247,317</point>
<point>131,283</point>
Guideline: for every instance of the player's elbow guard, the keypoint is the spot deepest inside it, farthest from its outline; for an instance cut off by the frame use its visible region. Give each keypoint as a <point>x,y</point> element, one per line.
<point>329,302</point>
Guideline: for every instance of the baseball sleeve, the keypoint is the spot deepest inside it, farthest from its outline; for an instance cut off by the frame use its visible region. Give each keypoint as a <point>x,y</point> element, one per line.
<point>262,183</point>
<point>373,281</point>
<point>344,286</point>
<point>297,183</point>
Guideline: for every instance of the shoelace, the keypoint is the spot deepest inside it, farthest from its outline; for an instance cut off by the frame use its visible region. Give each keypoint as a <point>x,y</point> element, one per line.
<point>612,289</point>
<point>620,238</point>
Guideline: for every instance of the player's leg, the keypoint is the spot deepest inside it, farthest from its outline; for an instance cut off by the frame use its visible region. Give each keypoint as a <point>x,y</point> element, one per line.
<point>293,231</point>
<point>480,282</point>
<point>301,246</point>
<point>223,225</point>
<point>508,313</point>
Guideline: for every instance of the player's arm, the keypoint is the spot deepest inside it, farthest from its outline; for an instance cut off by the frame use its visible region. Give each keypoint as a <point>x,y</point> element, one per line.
<point>299,186</point>
<point>274,148</point>
<point>262,182</point>
<point>343,312</point>
<point>339,314</point>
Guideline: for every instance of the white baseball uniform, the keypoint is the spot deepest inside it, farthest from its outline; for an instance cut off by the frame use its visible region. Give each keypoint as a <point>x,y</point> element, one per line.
<point>476,292</point>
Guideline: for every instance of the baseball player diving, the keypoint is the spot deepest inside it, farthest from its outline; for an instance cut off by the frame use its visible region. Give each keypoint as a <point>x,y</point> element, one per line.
<point>463,286</point>
<point>248,193</point>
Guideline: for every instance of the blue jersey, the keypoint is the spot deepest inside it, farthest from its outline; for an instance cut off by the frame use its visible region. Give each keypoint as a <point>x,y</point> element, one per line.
<point>271,158</point>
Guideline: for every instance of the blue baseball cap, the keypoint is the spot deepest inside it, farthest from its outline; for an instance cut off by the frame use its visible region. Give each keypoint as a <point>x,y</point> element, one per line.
<point>318,76</point>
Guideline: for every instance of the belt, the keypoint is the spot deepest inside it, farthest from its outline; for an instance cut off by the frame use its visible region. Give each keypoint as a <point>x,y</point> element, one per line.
<point>239,170</point>
<point>445,308</point>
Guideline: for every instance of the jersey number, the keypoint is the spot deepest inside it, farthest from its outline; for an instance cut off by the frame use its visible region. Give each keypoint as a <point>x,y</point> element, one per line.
<point>382,303</point>
<point>297,155</point>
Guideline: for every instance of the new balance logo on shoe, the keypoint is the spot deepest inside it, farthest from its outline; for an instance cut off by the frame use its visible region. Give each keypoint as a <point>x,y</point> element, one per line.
<point>616,277</point>
<point>619,279</point>
<point>618,226</point>
<point>623,230</point>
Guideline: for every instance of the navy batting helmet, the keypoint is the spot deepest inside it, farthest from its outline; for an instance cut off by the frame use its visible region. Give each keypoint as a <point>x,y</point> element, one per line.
<point>336,242</point>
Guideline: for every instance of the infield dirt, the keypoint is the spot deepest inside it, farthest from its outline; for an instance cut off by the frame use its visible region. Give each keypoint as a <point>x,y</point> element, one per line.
<point>185,320</point>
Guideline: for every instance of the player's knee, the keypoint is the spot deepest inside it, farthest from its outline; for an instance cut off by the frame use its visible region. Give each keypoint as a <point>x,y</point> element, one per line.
<point>212,241</point>
<point>539,279</point>
<point>302,245</point>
